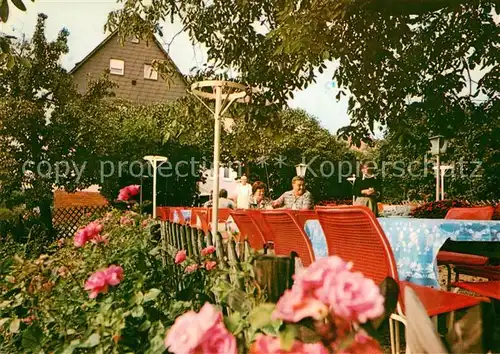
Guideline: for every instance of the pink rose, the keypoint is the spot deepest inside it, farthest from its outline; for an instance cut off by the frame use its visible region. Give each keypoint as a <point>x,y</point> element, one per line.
<point>127,192</point>
<point>363,344</point>
<point>180,257</point>
<point>185,335</point>
<point>294,306</point>
<point>207,250</point>
<point>271,345</point>
<point>191,268</point>
<point>219,340</point>
<point>354,297</point>
<point>209,265</point>
<point>202,332</point>
<point>114,274</point>
<point>80,238</point>
<point>313,277</point>
<point>97,283</point>
<point>101,279</point>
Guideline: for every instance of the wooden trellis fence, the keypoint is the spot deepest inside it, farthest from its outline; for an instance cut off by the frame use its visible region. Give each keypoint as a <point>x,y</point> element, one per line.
<point>67,220</point>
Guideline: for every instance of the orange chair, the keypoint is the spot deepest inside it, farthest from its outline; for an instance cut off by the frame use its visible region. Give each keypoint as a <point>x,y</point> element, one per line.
<point>489,289</point>
<point>303,215</point>
<point>162,212</point>
<point>289,237</point>
<point>447,258</point>
<point>257,218</point>
<point>354,234</point>
<point>248,230</point>
<point>475,213</point>
<point>201,215</point>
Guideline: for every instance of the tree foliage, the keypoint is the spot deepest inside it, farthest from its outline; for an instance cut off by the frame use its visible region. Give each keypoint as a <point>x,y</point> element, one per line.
<point>7,58</point>
<point>424,52</point>
<point>48,131</point>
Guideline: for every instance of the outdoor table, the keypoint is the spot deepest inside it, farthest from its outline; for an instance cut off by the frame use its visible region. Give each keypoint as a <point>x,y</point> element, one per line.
<point>186,213</point>
<point>416,242</point>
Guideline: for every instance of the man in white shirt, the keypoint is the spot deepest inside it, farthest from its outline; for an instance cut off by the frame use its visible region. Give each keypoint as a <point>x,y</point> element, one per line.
<point>243,193</point>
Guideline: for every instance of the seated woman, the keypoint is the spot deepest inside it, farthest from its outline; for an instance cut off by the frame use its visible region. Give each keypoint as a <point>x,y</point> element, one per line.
<point>367,188</point>
<point>258,199</point>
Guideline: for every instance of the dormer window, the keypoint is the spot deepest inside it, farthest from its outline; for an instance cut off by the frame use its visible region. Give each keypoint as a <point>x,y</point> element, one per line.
<point>116,67</point>
<point>150,73</point>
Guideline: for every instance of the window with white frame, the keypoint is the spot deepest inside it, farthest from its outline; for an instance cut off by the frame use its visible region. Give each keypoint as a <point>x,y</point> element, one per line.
<point>227,173</point>
<point>150,73</point>
<point>116,67</point>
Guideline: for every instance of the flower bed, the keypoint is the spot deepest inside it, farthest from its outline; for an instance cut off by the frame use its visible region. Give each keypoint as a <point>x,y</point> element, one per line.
<point>112,288</point>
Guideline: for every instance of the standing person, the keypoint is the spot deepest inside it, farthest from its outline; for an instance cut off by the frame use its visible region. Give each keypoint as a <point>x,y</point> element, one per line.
<point>258,199</point>
<point>243,193</point>
<point>298,198</point>
<point>367,188</point>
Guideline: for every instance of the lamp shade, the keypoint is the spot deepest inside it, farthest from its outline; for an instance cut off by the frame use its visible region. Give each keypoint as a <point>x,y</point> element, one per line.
<point>301,169</point>
<point>438,144</point>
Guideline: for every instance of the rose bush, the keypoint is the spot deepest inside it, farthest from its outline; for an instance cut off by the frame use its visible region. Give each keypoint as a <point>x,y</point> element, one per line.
<point>111,288</point>
<point>98,296</point>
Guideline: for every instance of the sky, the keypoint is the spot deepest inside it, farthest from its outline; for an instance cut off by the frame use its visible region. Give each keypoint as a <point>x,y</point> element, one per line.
<point>85,21</point>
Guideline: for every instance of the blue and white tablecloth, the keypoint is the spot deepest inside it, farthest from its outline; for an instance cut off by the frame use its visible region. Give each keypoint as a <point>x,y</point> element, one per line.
<point>416,242</point>
<point>186,213</point>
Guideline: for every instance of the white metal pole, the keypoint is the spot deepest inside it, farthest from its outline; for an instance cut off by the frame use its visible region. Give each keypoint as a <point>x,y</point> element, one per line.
<point>154,188</point>
<point>215,187</point>
<point>442,183</point>
<point>438,173</point>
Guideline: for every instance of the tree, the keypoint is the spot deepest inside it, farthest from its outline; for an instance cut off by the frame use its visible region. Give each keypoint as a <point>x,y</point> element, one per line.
<point>301,139</point>
<point>181,130</point>
<point>424,52</point>
<point>49,133</point>
<point>7,58</point>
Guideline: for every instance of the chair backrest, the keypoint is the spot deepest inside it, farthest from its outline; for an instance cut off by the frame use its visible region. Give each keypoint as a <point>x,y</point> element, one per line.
<point>163,213</point>
<point>474,213</point>
<point>303,215</point>
<point>248,230</point>
<point>201,215</point>
<point>222,215</point>
<point>256,216</point>
<point>289,237</point>
<point>354,234</point>
<point>180,216</point>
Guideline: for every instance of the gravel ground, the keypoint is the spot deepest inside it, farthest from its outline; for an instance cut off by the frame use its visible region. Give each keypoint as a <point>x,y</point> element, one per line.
<point>386,343</point>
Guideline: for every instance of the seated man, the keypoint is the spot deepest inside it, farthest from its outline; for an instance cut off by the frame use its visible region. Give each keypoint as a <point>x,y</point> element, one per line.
<point>223,201</point>
<point>298,198</point>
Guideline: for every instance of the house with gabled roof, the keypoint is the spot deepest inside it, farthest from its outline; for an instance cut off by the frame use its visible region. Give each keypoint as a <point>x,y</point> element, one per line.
<point>129,66</point>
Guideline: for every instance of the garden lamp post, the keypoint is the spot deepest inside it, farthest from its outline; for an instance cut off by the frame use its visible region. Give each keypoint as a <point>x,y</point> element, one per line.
<point>140,196</point>
<point>301,169</point>
<point>438,147</point>
<point>352,180</point>
<point>443,172</point>
<point>153,160</point>
<point>225,93</point>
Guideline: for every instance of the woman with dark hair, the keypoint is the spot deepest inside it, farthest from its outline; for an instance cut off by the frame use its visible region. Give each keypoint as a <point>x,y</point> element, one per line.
<point>367,188</point>
<point>258,199</point>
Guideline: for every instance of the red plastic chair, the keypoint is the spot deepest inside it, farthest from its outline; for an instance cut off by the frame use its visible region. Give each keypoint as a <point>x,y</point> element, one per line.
<point>475,213</point>
<point>248,230</point>
<point>303,215</point>
<point>163,213</point>
<point>354,234</point>
<point>289,237</point>
<point>490,272</point>
<point>201,215</point>
<point>257,218</point>
<point>489,289</point>
<point>447,258</point>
